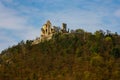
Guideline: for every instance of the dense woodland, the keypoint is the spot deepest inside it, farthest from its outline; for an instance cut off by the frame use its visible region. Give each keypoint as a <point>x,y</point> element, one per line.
<point>79,55</point>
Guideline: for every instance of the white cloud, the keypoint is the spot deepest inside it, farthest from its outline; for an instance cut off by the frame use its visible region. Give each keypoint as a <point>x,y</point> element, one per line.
<point>6,40</point>
<point>7,1</point>
<point>14,27</point>
<point>76,13</point>
<point>117,13</point>
<point>9,19</point>
<point>90,20</point>
<point>76,18</point>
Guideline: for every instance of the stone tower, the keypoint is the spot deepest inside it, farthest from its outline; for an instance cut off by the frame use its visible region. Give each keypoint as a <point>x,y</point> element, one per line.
<point>64,26</point>
<point>47,31</point>
<point>48,25</point>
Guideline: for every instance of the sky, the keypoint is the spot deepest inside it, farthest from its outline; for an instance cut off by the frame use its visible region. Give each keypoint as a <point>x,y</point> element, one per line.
<point>23,19</point>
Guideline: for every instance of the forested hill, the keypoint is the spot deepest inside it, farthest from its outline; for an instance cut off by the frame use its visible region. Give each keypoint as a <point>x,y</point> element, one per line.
<point>75,56</point>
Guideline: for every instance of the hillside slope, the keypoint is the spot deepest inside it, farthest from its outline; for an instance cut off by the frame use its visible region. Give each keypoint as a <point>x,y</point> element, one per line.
<point>74,56</point>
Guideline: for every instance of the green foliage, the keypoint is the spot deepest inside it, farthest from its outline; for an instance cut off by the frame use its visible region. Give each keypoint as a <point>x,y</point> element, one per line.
<point>75,56</point>
<point>94,48</point>
<point>108,39</point>
<point>99,34</point>
<point>116,52</point>
<point>97,60</point>
<point>79,31</point>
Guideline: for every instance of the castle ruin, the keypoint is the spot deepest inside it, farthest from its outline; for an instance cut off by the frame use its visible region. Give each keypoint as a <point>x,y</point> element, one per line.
<point>47,31</point>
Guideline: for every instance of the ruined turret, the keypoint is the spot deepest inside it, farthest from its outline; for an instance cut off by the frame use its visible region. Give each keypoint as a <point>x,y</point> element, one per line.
<point>48,30</point>
<point>64,28</point>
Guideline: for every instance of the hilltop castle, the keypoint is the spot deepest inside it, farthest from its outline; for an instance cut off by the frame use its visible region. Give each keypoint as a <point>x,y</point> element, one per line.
<point>47,31</point>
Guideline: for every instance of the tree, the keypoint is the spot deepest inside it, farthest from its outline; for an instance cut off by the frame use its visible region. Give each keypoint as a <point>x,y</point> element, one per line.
<point>79,31</point>
<point>116,52</point>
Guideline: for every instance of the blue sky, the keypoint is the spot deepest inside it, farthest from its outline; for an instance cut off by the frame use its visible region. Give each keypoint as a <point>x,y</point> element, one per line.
<point>23,19</point>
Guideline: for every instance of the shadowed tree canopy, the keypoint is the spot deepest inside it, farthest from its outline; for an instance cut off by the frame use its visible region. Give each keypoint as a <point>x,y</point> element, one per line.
<point>72,56</point>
